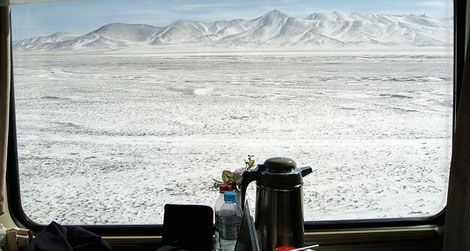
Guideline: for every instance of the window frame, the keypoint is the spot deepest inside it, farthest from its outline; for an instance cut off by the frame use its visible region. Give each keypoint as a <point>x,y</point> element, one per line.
<point>21,219</point>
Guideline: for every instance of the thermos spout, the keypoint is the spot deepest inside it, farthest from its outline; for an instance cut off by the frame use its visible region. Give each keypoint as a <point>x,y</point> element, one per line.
<point>305,170</point>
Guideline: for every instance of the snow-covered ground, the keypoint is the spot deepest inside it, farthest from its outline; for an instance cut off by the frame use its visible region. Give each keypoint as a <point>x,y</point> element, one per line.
<point>110,137</point>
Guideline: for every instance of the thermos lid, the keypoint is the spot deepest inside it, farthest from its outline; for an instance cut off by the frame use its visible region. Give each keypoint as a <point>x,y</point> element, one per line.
<point>279,165</point>
<point>280,173</point>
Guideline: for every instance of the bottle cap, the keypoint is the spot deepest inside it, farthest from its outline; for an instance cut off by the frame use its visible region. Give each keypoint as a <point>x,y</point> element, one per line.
<point>225,188</point>
<point>230,196</point>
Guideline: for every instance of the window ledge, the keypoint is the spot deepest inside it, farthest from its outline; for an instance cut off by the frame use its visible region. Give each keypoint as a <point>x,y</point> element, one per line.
<point>415,238</point>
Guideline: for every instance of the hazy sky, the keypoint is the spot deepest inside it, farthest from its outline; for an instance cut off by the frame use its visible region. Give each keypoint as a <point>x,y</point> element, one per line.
<point>79,17</point>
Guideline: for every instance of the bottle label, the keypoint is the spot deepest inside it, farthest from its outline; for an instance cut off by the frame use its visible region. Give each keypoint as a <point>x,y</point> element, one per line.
<point>229,226</point>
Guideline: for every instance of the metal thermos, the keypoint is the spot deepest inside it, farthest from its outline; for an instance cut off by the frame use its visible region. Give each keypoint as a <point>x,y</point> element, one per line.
<point>279,216</point>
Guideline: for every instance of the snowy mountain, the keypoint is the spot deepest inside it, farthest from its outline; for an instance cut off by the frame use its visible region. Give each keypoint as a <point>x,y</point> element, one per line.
<point>109,36</point>
<point>45,42</point>
<point>181,31</point>
<point>273,29</point>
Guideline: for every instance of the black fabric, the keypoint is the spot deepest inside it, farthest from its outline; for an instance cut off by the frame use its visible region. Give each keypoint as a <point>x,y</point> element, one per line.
<point>56,237</point>
<point>188,227</point>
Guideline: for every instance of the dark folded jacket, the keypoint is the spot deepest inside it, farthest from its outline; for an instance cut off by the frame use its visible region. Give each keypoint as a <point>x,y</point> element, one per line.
<point>56,237</point>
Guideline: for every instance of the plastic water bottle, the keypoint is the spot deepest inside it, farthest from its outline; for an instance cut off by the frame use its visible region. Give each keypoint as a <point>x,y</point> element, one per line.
<point>229,222</point>
<point>218,204</point>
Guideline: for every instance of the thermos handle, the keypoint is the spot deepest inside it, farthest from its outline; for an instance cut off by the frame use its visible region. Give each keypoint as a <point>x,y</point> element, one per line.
<point>247,177</point>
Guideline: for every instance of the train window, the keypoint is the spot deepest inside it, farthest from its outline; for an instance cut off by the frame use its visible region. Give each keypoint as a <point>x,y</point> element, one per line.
<point>124,106</point>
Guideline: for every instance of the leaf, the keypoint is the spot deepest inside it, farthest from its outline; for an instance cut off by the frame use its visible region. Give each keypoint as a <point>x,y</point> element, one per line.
<point>251,163</point>
<point>226,176</point>
<point>237,178</point>
<point>216,184</point>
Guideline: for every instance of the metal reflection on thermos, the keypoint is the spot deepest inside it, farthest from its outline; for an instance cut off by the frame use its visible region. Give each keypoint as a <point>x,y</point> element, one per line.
<point>279,218</point>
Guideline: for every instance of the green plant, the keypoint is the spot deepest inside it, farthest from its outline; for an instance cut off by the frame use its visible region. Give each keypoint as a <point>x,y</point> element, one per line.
<point>234,178</point>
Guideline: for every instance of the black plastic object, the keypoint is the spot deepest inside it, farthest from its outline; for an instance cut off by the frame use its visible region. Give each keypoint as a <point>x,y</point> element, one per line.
<point>188,227</point>
<point>279,165</point>
<point>56,237</point>
<point>281,172</point>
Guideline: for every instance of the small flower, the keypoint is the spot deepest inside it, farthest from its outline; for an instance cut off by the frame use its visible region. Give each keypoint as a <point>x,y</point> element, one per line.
<point>250,162</point>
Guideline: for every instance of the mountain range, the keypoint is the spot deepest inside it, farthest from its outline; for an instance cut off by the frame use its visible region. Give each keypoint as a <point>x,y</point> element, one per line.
<point>273,29</point>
